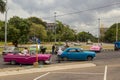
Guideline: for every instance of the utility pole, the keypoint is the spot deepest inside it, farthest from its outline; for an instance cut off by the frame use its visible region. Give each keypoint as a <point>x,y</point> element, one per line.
<point>6,23</point>
<point>55,25</point>
<point>116,31</point>
<point>99,30</point>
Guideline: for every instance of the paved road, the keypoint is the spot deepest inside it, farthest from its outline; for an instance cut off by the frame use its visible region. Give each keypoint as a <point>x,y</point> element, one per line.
<point>96,73</point>
<point>93,73</point>
<point>109,58</point>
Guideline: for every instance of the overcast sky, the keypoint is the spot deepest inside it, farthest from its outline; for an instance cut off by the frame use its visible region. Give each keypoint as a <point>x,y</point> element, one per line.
<point>82,19</point>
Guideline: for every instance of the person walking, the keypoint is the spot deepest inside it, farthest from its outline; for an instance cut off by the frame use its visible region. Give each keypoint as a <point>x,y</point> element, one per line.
<point>43,49</point>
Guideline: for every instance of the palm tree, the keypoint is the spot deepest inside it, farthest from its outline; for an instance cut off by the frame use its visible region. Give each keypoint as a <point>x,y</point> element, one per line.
<point>2,6</point>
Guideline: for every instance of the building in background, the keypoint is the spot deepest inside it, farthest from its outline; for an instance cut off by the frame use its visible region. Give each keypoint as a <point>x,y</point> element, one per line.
<point>50,26</point>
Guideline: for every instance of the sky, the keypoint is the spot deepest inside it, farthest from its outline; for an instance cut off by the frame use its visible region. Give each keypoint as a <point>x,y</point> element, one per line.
<point>81,15</point>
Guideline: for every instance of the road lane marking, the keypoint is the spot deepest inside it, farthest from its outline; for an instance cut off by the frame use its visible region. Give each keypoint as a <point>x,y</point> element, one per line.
<point>41,76</point>
<point>78,73</point>
<point>105,73</point>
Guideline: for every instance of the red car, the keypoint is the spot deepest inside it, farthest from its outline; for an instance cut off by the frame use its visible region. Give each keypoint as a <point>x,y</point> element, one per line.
<point>26,59</point>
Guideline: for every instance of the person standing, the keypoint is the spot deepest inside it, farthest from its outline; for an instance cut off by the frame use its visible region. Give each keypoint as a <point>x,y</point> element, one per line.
<point>53,49</point>
<point>25,51</point>
<point>43,49</point>
<point>59,52</point>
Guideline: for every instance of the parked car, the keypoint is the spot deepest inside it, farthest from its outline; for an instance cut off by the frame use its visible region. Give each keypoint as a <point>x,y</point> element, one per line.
<point>117,45</point>
<point>96,48</point>
<point>77,54</point>
<point>26,59</point>
<point>10,49</point>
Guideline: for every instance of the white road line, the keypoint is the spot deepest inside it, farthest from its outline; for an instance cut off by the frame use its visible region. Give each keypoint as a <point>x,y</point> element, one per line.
<point>105,73</point>
<point>41,76</point>
<point>77,73</point>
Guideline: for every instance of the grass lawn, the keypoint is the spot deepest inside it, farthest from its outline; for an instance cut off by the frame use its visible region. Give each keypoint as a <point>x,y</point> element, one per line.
<point>2,43</point>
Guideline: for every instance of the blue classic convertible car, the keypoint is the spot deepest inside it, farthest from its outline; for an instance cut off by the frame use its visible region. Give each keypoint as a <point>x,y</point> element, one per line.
<point>77,54</point>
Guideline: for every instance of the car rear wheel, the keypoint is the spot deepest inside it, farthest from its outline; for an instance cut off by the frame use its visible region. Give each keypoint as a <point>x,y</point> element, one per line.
<point>13,62</point>
<point>65,59</point>
<point>89,58</point>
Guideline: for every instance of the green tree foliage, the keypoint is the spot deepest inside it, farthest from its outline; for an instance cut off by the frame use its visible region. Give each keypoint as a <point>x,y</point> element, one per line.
<point>50,36</point>
<point>63,32</point>
<point>59,30</point>
<point>18,30</point>
<point>110,34</point>
<point>38,31</point>
<point>21,30</point>
<point>2,6</point>
<point>2,30</point>
<point>84,36</point>
<point>68,34</point>
<point>36,21</point>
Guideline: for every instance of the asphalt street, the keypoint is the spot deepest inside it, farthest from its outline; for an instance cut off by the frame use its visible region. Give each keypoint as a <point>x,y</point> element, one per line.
<point>92,73</point>
<point>108,58</point>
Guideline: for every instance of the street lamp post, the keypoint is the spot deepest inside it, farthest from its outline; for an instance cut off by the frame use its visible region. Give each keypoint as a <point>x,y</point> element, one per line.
<point>6,24</point>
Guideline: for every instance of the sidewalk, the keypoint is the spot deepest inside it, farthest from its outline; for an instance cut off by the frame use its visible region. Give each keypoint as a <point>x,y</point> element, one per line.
<point>47,68</point>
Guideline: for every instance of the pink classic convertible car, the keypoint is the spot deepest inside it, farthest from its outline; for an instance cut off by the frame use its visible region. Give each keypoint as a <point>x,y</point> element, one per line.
<point>96,48</point>
<point>26,59</point>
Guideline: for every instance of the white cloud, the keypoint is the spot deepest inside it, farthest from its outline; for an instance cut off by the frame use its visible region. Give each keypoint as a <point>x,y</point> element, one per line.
<point>2,16</point>
<point>110,17</point>
<point>47,2</point>
<point>111,13</point>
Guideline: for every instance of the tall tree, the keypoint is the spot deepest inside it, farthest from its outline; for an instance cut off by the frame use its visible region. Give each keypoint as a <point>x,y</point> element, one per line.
<point>18,30</point>
<point>64,32</point>
<point>2,31</point>
<point>84,36</point>
<point>36,21</point>
<point>110,34</point>
<point>50,36</point>
<point>38,31</point>
<point>2,6</point>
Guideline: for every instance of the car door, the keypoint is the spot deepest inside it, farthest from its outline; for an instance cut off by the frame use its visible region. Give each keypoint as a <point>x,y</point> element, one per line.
<point>81,55</point>
<point>25,59</point>
<point>73,54</point>
<point>76,54</point>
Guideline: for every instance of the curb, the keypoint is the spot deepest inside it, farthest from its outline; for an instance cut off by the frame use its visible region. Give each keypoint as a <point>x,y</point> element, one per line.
<point>47,69</point>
